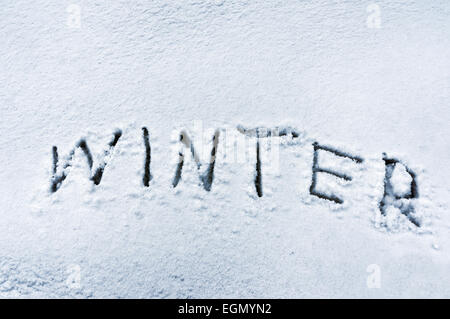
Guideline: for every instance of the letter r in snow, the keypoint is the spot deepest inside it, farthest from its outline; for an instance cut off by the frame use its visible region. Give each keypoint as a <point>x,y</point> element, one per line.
<point>317,169</point>
<point>391,198</point>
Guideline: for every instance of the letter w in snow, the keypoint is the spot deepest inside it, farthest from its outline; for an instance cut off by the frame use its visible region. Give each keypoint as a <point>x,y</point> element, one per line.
<point>96,176</point>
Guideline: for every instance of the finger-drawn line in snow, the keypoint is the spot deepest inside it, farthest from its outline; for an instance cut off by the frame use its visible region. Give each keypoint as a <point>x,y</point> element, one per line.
<point>96,177</point>
<point>148,158</point>
<point>208,176</point>
<point>261,132</point>
<point>317,169</point>
<point>390,198</point>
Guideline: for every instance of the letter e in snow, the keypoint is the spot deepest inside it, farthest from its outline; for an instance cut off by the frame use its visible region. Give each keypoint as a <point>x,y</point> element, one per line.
<point>317,169</point>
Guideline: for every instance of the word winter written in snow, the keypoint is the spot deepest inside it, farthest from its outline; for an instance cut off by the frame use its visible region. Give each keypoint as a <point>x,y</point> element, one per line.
<point>390,198</point>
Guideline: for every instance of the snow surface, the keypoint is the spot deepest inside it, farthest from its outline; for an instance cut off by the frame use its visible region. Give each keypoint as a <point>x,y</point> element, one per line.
<point>314,66</point>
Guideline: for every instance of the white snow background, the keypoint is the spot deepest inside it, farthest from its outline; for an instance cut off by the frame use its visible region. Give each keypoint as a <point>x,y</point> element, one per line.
<point>322,67</point>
